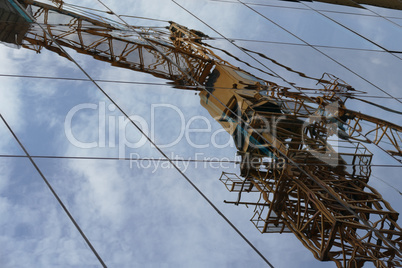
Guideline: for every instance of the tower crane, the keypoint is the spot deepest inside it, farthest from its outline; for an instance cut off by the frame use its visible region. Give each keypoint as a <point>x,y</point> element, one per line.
<point>300,182</point>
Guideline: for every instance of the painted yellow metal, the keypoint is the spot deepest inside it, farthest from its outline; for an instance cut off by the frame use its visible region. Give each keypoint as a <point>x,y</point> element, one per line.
<point>283,137</point>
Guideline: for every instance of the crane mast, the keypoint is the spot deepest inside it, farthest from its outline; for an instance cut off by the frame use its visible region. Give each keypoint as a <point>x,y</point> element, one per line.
<point>291,173</point>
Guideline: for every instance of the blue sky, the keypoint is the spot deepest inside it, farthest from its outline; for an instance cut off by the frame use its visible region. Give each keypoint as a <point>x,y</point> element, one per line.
<point>137,215</point>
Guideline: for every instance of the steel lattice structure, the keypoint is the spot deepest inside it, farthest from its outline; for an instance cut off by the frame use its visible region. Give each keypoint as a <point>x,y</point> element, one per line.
<point>299,179</point>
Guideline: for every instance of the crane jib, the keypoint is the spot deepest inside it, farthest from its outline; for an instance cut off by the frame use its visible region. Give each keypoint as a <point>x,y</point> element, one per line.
<point>317,192</point>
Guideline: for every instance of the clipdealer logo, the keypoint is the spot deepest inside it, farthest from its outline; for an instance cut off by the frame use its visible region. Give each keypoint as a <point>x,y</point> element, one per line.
<point>112,131</point>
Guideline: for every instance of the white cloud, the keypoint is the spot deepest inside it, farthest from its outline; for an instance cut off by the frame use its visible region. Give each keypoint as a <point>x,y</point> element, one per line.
<point>10,90</point>
<point>133,217</point>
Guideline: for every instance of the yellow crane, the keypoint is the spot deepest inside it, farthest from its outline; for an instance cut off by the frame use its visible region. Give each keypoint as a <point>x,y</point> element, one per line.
<point>300,182</point>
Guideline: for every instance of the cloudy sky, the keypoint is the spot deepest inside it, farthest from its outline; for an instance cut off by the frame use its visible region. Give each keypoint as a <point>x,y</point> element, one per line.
<point>142,213</point>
